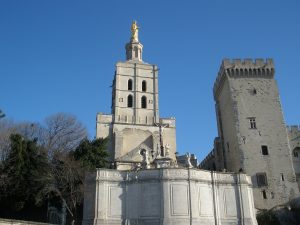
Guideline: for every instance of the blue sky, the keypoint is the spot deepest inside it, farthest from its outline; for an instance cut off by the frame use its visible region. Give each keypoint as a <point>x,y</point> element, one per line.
<point>59,56</point>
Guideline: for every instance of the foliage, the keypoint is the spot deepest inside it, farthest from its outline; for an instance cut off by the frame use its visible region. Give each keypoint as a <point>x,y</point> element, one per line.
<point>92,154</point>
<point>45,163</point>
<point>25,174</point>
<point>60,132</point>
<point>267,218</point>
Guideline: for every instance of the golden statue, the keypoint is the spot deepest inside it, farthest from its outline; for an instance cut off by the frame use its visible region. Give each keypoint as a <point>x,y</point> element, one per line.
<point>134,32</point>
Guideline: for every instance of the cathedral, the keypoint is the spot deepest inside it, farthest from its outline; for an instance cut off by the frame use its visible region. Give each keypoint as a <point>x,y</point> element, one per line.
<point>254,164</point>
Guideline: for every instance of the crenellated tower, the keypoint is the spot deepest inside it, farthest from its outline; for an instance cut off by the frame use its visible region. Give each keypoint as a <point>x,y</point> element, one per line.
<point>252,133</point>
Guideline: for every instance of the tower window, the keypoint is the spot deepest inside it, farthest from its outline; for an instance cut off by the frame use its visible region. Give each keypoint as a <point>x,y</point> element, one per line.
<point>144,85</point>
<point>264,194</point>
<point>129,101</point>
<point>264,150</point>
<point>144,102</point>
<point>282,177</point>
<point>136,52</point>
<point>130,84</point>
<point>261,179</point>
<point>252,122</point>
<point>296,152</point>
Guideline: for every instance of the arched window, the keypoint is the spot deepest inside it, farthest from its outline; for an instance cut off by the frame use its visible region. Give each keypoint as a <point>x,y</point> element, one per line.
<point>129,84</point>
<point>129,101</point>
<point>144,86</point>
<point>144,102</point>
<point>136,52</point>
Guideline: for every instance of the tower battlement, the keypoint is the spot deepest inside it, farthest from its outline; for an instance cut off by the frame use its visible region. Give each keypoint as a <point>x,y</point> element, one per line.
<point>244,68</point>
<point>247,63</point>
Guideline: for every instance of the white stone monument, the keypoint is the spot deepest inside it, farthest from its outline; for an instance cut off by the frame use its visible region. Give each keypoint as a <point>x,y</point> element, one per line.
<point>147,187</point>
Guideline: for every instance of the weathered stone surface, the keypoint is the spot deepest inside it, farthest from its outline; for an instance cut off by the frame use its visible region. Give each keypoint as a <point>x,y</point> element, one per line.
<point>133,126</point>
<point>294,138</point>
<point>168,196</point>
<point>252,133</point>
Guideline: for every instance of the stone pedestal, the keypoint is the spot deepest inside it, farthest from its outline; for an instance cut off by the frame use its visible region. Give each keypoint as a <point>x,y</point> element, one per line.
<point>162,162</point>
<point>168,196</point>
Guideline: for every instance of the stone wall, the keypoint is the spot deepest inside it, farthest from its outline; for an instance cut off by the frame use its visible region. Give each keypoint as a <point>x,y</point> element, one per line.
<point>127,140</point>
<point>168,196</point>
<point>294,139</point>
<point>252,130</point>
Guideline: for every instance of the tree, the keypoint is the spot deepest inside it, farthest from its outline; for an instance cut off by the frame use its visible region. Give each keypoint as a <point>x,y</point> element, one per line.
<point>63,133</point>
<point>25,174</point>
<point>27,130</point>
<point>60,132</point>
<point>69,176</point>
<point>38,163</point>
<point>92,154</point>
<point>6,129</point>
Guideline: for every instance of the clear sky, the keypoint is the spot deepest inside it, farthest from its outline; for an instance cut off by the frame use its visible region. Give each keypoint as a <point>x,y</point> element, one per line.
<point>59,56</point>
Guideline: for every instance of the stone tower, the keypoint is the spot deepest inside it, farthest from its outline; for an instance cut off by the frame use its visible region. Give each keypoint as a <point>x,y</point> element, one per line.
<point>252,133</point>
<point>294,138</point>
<point>134,123</point>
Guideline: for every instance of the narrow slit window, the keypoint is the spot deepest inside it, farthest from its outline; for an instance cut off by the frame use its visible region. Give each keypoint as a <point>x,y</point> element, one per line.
<point>264,194</point>
<point>130,84</point>
<point>136,52</point>
<point>252,122</point>
<point>282,177</point>
<point>129,101</point>
<point>144,102</point>
<point>144,86</point>
<point>264,150</point>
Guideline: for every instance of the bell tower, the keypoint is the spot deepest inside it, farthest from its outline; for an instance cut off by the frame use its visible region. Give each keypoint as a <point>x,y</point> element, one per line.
<point>135,86</point>
<point>134,124</point>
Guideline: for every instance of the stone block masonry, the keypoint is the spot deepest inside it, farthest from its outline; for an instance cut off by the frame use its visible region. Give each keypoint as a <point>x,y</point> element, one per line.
<point>253,136</point>
<point>168,196</point>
